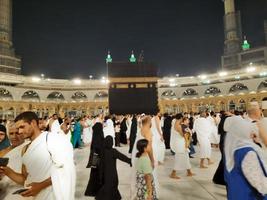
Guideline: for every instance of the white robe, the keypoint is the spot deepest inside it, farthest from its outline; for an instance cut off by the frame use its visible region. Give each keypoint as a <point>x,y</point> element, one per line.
<point>129,125</point>
<point>157,145</point>
<point>59,165</point>
<point>203,129</point>
<point>214,137</point>
<point>177,144</point>
<point>38,165</point>
<point>63,173</point>
<point>15,163</point>
<point>55,127</point>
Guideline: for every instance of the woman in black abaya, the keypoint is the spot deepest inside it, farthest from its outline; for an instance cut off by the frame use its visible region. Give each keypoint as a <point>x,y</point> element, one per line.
<point>133,133</point>
<point>123,136</point>
<point>109,189</point>
<point>96,178</point>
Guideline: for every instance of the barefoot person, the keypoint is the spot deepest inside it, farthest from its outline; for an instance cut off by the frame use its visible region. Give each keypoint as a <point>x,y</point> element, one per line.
<point>203,129</point>
<point>144,133</point>
<point>178,145</point>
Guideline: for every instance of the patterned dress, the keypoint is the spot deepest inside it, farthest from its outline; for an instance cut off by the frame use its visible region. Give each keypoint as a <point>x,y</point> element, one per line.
<point>144,167</point>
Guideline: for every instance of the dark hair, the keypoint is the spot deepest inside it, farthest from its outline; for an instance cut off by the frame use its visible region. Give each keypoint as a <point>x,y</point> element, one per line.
<point>27,116</point>
<point>178,116</point>
<point>141,145</point>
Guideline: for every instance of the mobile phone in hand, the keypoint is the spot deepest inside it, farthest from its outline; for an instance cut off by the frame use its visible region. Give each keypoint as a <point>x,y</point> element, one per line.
<point>20,191</point>
<point>4,162</point>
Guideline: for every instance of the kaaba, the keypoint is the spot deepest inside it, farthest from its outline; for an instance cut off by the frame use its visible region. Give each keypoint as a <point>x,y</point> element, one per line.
<point>133,88</point>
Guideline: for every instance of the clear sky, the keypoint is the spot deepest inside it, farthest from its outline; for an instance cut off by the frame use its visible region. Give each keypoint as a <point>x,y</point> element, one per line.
<point>67,38</point>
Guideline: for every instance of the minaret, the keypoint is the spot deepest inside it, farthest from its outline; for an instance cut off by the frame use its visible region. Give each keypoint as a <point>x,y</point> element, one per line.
<point>9,63</point>
<point>265,31</point>
<point>232,29</point>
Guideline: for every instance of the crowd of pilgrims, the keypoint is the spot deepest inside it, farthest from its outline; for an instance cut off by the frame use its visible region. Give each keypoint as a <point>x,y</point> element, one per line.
<point>41,153</point>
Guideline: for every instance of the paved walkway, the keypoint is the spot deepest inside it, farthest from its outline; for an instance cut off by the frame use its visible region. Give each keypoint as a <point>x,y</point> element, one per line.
<point>199,187</point>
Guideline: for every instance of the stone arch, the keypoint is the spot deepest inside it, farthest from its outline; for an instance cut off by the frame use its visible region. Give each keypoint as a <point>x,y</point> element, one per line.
<point>212,91</point>
<point>262,86</point>
<point>168,94</point>
<point>79,96</point>
<point>238,87</point>
<point>30,95</point>
<point>56,96</point>
<point>5,94</point>
<point>101,96</point>
<point>190,92</point>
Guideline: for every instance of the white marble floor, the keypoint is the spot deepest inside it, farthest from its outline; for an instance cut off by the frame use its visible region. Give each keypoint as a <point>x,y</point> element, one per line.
<point>199,187</point>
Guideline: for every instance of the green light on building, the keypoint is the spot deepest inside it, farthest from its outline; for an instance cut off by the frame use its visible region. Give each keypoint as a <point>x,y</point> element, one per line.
<point>245,45</point>
<point>109,58</point>
<point>132,58</point>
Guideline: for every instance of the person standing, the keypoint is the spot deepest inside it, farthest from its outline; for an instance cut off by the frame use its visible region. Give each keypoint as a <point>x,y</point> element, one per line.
<point>144,179</point>
<point>158,142</point>
<point>54,126</point>
<point>167,130</point>
<point>12,152</point>
<point>133,132</point>
<point>179,146</point>
<point>245,173</point>
<point>123,129</point>
<point>144,133</point>
<point>65,128</point>
<point>96,179</point>
<point>117,131</point>
<point>203,129</point>
<point>4,141</point>
<point>77,131</point>
<point>48,152</point>
<point>218,177</point>
<point>109,189</point>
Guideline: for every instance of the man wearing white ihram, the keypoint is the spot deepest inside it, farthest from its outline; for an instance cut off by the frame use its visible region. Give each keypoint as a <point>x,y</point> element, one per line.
<point>158,142</point>
<point>203,129</point>
<point>48,170</point>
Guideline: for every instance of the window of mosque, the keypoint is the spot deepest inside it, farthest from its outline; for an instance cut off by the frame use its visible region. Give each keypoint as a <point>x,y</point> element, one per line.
<point>79,96</point>
<point>238,87</point>
<point>101,95</point>
<point>169,94</point>
<point>212,91</point>
<point>55,96</point>
<point>232,105</point>
<point>190,92</point>
<point>30,95</point>
<point>242,105</point>
<point>5,94</point>
<point>263,85</point>
<point>253,99</point>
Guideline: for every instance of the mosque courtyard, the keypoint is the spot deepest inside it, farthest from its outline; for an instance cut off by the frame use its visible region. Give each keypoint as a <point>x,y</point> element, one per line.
<point>199,187</point>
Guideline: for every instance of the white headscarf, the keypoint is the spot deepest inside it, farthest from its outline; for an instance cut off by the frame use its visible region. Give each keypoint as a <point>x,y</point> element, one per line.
<point>238,136</point>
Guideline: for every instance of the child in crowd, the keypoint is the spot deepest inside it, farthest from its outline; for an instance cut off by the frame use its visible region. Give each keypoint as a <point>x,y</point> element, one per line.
<point>144,178</point>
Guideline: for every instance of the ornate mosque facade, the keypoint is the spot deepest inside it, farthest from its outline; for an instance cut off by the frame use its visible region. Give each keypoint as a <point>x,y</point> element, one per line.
<point>243,79</point>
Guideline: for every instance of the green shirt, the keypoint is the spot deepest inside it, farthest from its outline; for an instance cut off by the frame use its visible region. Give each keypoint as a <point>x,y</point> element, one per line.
<point>144,165</point>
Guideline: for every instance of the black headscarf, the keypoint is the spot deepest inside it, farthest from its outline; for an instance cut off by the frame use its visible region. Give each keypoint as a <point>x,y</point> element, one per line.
<point>98,136</point>
<point>108,142</point>
<point>5,143</point>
